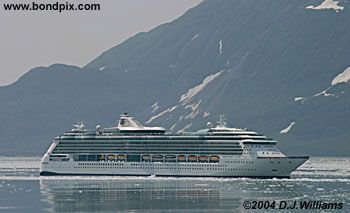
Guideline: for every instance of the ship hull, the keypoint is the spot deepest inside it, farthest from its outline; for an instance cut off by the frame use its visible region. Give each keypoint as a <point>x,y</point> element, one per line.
<point>227,167</point>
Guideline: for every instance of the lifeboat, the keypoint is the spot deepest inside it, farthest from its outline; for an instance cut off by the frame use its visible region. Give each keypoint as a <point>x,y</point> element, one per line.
<point>146,158</point>
<point>170,158</point>
<point>214,158</point>
<point>102,158</point>
<point>121,157</point>
<point>192,158</point>
<point>181,158</point>
<point>157,158</point>
<point>203,159</point>
<point>110,157</point>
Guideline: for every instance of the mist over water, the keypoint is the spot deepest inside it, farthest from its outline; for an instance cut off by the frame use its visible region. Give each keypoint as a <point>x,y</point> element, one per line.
<point>22,190</point>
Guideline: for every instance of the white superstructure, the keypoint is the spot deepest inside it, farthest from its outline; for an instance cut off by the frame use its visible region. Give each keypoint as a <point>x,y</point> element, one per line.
<point>133,149</point>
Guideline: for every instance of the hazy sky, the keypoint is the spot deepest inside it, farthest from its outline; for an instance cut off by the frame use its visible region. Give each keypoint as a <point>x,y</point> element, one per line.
<point>30,39</point>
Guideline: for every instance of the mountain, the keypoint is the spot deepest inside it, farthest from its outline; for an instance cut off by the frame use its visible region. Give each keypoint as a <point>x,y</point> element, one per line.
<point>278,67</point>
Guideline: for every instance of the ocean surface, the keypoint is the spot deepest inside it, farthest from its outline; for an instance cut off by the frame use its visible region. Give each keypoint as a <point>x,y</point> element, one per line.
<point>22,190</point>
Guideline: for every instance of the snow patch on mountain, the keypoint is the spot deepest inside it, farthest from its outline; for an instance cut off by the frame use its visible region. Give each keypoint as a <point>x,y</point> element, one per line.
<point>343,77</point>
<point>160,114</point>
<point>102,68</point>
<point>288,128</point>
<point>324,93</point>
<point>174,125</point>
<point>185,98</point>
<point>300,98</point>
<point>155,107</point>
<point>184,129</point>
<point>220,47</point>
<point>195,110</point>
<point>194,37</point>
<point>206,114</point>
<point>327,4</point>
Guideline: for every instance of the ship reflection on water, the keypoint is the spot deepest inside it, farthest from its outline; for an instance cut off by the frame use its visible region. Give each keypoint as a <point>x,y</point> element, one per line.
<point>22,190</point>
<point>152,194</point>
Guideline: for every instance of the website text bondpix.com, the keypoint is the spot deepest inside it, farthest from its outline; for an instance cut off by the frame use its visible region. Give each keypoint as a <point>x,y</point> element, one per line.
<point>57,6</point>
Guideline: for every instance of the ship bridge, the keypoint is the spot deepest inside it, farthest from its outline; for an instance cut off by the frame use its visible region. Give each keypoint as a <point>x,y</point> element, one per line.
<point>128,124</point>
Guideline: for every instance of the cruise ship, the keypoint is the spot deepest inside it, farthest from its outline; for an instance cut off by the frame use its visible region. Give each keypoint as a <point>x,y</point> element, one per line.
<point>132,149</point>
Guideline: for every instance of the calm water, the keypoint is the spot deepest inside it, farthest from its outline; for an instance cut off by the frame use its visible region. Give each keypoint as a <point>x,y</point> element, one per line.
<point>22,190</point>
